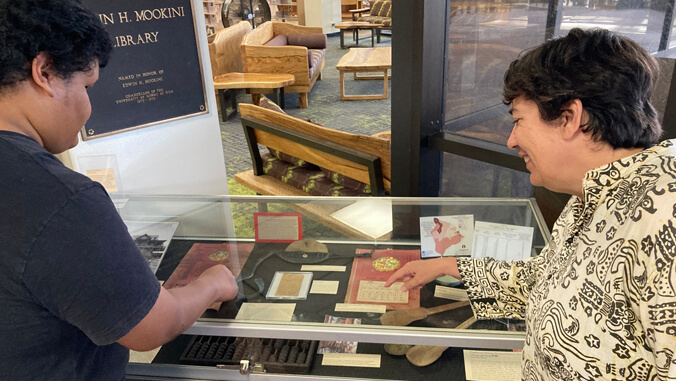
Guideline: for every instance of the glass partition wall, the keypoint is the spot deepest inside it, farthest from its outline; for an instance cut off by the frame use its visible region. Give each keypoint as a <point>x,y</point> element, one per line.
<point>481,38</point>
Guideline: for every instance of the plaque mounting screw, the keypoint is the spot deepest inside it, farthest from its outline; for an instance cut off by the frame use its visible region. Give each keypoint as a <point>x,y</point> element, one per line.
<point>90,132</point>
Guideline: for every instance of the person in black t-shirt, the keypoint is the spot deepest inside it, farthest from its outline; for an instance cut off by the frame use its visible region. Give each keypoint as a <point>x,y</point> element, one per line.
<point>75,292</point>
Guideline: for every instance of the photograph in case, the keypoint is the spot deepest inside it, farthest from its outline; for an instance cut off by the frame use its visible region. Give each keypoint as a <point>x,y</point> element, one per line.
<point>445,236</point>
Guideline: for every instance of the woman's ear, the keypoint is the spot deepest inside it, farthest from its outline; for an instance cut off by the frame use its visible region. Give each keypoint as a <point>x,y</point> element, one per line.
<point>42,73</point>
<point>572,118</point>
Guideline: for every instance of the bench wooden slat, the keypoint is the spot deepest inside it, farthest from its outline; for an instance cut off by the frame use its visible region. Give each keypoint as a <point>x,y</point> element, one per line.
<point>267,185</point>
<point>368,144</point>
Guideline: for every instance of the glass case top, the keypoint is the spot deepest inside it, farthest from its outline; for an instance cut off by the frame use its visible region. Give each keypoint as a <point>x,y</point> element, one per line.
<point>322,261</point>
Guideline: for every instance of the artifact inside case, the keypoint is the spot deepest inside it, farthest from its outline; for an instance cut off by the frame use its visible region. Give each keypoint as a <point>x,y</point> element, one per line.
<point>276,355</point>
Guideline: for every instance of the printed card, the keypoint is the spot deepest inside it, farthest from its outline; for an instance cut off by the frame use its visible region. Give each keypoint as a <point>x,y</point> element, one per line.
<point>446,236</point>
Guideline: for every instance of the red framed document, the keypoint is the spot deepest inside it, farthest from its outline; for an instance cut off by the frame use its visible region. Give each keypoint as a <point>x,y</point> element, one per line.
<point>278,227</point>
<point>368,276</point>
<point>201,256</point>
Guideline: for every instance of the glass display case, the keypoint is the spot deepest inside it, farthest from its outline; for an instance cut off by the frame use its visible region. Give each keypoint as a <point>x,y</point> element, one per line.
<point>302,265</point>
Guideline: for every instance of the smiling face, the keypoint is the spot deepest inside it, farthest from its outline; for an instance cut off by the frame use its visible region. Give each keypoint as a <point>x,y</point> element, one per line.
<point>539,143</point>
<point>71,109</point>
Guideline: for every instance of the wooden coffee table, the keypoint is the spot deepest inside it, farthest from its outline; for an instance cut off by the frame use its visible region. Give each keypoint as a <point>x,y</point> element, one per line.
<point>226,83</point>
<point>365,60</point>
<point>355,27</point>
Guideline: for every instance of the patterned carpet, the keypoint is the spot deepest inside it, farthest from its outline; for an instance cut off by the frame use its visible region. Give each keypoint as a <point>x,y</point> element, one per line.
<point>361,117</point>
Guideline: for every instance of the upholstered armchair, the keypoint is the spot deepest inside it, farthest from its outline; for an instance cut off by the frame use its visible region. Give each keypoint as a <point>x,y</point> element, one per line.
<point>380,13</point>
<point>279,47</point>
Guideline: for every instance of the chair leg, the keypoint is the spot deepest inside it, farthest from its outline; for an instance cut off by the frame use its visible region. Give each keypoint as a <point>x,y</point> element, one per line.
<point>302,100</point>
<point>319,78</point>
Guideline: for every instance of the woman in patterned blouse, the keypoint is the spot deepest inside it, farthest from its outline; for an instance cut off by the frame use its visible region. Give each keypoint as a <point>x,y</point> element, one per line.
<point>600,300</point>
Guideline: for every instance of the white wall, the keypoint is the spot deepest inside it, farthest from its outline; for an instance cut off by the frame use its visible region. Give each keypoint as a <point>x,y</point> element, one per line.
<point>181,157</point>
<point>323,13</point>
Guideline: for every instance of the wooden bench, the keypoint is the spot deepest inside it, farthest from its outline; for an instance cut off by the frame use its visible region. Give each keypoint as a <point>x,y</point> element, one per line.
<point>360,157</point>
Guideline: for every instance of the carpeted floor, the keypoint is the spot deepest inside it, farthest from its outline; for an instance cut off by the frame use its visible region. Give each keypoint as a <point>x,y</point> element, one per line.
<point>325,107</point>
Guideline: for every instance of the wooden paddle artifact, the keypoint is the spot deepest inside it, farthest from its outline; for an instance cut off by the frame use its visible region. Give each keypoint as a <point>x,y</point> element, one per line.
<point>424,355</point>
<point>405,317</point>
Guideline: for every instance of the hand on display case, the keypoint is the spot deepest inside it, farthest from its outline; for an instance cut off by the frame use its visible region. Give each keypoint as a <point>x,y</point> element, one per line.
<point>418,273</point>
<point>222,281</point>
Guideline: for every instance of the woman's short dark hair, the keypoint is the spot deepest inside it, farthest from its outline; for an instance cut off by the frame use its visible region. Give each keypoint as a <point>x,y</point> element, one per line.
<point>611,75</point>
<point>72,36</point>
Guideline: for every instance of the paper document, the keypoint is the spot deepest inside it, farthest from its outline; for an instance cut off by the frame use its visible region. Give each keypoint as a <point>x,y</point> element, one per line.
<point>450,293</point>
<point>446,236</point>
<point>351,359</point>
<point>376,292</point>
<point>266,311</point>
<point>501,241</point>
<point>143,357</point>
<point>105,177</point>
<point>492,365</point>
<point>372,217</point>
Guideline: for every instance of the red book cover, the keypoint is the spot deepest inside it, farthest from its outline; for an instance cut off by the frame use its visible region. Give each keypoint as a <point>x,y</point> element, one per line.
<point>378,268</point>
<point>201,256</point>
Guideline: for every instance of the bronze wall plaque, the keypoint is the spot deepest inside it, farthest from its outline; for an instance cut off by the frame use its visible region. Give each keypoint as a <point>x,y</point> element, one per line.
<point>155,74</point>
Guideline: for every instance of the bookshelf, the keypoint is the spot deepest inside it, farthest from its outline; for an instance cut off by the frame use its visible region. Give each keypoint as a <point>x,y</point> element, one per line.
<point>212,15</point>
<point>284,10</point>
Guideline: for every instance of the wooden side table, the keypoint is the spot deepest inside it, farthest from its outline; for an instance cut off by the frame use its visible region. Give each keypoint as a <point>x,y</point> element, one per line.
<point>365,60</point>
<point>355,27</point>
<point>227,83</point>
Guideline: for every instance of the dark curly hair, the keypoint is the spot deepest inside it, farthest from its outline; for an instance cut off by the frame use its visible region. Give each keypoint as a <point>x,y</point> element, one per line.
<point>611,75</point>
<point>72,36</point>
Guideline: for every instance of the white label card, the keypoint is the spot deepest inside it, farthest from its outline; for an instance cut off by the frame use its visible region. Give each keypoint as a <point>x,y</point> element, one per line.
<point>348,307</point>
<point>143,357</point>
<point>266,311</point>
<point>329,287</point>
<point>492,365</point>
<point>322,268</point>
<point>360,360</point>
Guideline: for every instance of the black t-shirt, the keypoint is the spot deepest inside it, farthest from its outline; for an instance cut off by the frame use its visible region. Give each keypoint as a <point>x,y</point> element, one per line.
<point>72,281</point>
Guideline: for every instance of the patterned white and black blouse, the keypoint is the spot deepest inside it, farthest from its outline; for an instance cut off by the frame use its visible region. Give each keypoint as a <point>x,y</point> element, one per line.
<point>600,300</point>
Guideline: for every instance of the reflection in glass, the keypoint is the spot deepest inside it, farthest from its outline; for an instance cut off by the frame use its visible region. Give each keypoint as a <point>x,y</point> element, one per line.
<point>484,37</point>
<point>482,179</point>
